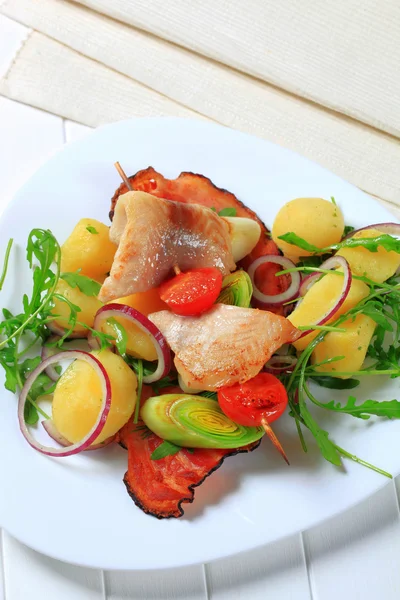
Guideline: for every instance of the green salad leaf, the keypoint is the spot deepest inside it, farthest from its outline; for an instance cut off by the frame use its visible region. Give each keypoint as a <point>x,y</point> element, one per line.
<point>86,285</point>
<point>380,408</point>
<point>228,212</point>
<point>334,383</point>
<point>389,243</point>
<point>165,449</point>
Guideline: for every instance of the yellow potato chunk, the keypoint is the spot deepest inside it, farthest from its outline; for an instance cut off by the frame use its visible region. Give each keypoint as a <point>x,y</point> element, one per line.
<point>377,266</point>
<point>145,302</point>
<point>139,344</point>
<point>352,344</point>
<point>91,252</point>
<point>321,298</point>
<point>77,398</point>
<point>89,306</point>
<point>318,221</point>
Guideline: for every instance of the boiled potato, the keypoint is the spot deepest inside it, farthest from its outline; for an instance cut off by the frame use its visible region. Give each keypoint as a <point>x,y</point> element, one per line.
<point>352,344</point>
<point>318,221</point>
<point>145,302</point>
<point>77,397</point>
<point>89,306</point>
<point>377,266</point>
<point>139,343</point>
<point>320,298</point>
<point>91,252</point>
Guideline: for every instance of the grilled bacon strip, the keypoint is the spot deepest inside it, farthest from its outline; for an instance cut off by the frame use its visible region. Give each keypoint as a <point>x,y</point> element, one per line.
<point>161,487</point>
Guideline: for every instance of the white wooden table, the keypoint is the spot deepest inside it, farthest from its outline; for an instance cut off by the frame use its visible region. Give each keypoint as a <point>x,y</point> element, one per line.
<point>353,556</point>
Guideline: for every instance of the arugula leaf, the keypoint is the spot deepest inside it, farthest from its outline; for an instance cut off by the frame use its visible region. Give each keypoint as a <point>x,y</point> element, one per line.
<point>296,240</point>
<point>31,414</point>
<point>385,408</point>
<point>5,264</point>
<point>211,395</point>
<point>334,383</point>
<point>347,229</point>
<point>228,212</point>
<point>385,241</point>
<point>374,311</point>
<point>11,381</point>
<point>327,447</point>
<point>87,286</point>
<point>312,261</point>
<point>121,339</point>
<point>165,449</point>
<point>139,390</point>
<point>92,229</point>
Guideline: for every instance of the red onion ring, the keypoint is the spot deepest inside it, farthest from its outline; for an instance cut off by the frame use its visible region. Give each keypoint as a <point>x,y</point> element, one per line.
<point>274,365</point>
<point>389,228</point>
<point>55,435</point>
<point>333,263</point>
<point>137,318</point>
<point>285,263</point>
<point>103,413</point>
<point>308,282</point>
<point>48,351</point>
<point>57,330</point>
<point>51,430</point>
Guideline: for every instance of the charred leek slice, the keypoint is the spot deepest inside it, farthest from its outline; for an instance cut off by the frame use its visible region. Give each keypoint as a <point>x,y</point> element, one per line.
<point>236,290</point>
<point>195,422</point>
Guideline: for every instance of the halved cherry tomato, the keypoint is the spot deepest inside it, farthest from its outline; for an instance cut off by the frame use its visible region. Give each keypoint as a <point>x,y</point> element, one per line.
<point>262,398</point>
<point>193,292</point>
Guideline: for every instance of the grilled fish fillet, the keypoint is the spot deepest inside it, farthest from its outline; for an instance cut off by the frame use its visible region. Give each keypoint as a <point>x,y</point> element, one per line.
<point>154,234</point>
<point>226,345</point>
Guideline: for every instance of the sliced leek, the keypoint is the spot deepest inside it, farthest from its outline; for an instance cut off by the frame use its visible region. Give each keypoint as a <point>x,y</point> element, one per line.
<point>236,290</point>
<point>195,422</point>
<point>244,234</point>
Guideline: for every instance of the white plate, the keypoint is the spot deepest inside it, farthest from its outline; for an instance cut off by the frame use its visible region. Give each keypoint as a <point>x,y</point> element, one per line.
<point>76,509</point>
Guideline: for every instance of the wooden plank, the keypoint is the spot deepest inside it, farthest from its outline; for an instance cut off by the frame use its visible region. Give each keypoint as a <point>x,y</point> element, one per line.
<point>275,571</point>
<point>29,574</point>
<point>356,555</point>
<point>175,584</point>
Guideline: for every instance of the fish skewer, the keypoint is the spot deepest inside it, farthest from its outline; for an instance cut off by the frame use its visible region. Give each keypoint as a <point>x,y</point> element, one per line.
<point>267,427</point>
<point>125,179</point>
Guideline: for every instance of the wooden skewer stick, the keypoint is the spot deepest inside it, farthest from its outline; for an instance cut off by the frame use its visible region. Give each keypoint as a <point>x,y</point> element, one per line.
<point>123,176</point>
<point>274,439</point>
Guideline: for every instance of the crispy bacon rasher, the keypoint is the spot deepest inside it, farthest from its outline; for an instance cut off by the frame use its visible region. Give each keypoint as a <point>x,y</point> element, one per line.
<point>161,487</point>
<point>198,189</point>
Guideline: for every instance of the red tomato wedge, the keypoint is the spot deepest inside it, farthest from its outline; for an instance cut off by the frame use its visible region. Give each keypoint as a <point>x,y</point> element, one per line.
<point>194,188</point>
<point>193,292</point>
<point>262,398</point>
